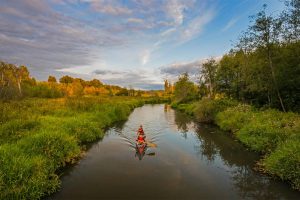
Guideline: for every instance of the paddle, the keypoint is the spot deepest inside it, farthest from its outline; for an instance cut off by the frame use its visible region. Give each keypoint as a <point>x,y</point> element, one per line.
<point>150,144</point>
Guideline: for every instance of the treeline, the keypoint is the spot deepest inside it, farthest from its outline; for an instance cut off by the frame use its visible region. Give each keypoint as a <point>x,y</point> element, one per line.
<point>264,67</point>
<point>16,82</point>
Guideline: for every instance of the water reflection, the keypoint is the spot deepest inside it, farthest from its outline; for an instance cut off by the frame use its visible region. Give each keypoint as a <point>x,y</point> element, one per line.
<point>140,151</point>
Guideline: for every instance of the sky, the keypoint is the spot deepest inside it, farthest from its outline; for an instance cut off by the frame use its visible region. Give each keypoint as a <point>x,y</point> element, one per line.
<point>131,43</point>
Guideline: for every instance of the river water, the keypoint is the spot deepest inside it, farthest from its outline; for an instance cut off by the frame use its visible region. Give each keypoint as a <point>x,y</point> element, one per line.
<point>191,161</point>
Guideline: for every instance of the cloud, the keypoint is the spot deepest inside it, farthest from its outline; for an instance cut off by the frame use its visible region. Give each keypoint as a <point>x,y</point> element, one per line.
<point>138,79</point>
<point>105,72</point>
<point>135,20</point>
<point>196,25</point>
<point>230,24</point>
<point>145,57</point>
<point>176,69</point>
<point>172,71</point>
<point>175,9</point>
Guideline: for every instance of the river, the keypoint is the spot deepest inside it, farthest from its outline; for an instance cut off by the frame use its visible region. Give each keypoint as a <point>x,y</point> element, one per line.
<point>191,161</point>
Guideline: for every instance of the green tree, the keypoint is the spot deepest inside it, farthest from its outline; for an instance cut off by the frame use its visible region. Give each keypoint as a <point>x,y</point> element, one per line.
<point>265,32</point>
<point>208,74</point>
<point>184,89</point>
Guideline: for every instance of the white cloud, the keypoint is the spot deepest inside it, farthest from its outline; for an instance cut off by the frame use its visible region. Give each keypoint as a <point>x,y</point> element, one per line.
<point>230,24</point>
<point>135,20</point>
<point>196,26</point>
<point>145,57</point>
<point>175,10</point>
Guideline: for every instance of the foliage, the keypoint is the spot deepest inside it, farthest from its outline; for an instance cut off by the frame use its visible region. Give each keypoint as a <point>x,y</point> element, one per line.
<point>208,76</point>
<point>284,161</point>
<point>206,109</point>
<point>234,118</point>
<point>52,79</point>
<point>185,90</point>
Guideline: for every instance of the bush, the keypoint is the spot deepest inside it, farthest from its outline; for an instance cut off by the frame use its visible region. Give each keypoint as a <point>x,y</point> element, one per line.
<point>206,109</point>
<point>234,118</point>
<point>285,161</point>
<point>266,129</point>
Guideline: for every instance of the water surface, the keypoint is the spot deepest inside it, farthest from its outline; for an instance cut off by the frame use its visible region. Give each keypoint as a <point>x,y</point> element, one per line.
<point>192,161</point>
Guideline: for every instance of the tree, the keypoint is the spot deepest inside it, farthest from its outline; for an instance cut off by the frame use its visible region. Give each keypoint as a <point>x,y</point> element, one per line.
<point>122,92</point>
<point>66,79</point>
<point>77,88</point>
<point>184,89</point>
<point>265,32</point>
<point>21,74</point>
<point>51,79</point>
<point>291,21</point>
<point>208,75</point>
<point>95,83</point>
<point>167,86</point>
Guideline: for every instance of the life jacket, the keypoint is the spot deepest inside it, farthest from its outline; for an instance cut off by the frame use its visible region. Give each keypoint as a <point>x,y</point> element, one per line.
<point>141,138</point>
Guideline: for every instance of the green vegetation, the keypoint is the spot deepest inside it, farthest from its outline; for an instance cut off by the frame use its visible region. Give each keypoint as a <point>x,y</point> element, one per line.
<point>39,136</point>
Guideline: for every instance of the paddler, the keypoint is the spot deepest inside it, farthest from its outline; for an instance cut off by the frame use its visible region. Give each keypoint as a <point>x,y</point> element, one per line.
<point>141,135</point>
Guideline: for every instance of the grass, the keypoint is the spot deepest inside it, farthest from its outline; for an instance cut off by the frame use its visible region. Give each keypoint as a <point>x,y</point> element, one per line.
<point>273,133</point>
<point>40,136</point>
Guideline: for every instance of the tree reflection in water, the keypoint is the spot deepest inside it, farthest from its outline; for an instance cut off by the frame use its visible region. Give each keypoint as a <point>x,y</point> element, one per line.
<point>182,121</point>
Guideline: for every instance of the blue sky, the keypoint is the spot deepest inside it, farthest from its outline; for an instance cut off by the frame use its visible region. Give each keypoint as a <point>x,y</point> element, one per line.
<point>134,43</point>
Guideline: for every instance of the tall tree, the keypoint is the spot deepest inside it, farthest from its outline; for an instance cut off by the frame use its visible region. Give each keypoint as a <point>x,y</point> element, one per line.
<point>265,32</point>
<point>208,75</point>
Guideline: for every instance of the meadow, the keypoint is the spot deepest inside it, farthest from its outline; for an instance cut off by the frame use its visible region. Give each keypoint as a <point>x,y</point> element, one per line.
<point>38,137</point>
<point>274,134</point>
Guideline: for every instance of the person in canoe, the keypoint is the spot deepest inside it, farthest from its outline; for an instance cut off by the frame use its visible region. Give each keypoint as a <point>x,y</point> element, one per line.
<point>141,136</point>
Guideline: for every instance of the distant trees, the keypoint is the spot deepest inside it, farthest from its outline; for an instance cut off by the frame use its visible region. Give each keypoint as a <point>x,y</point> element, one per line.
<point>11,80</point>
<point>66,79</point>
<point>51,79</point>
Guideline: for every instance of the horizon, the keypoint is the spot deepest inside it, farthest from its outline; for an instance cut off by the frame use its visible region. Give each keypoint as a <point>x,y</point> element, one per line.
<point>125,43</point>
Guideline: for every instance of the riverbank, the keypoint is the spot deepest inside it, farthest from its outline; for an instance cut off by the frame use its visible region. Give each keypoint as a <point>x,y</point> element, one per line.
<point>276,135</point>
<point>40,136</point>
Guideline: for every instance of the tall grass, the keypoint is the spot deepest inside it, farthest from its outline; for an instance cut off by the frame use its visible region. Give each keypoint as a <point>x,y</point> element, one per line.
<point>39,136</point>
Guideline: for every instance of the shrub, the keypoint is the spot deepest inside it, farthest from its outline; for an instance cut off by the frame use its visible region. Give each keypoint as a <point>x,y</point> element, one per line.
<point>266,129</point>
<point>206,109</point>
<point>285,161</point>
<point>234,118</point>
